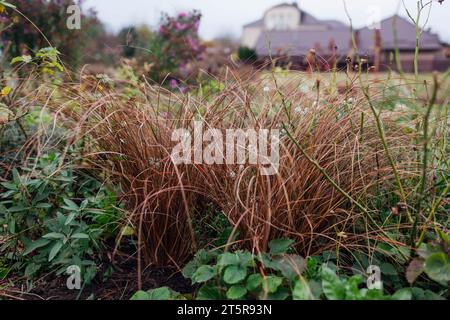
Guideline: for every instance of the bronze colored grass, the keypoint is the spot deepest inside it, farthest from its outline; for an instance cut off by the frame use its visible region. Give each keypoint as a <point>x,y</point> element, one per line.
<point>130,137</point>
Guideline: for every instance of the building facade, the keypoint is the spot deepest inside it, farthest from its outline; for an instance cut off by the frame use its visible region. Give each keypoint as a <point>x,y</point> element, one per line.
<point>287,31</point>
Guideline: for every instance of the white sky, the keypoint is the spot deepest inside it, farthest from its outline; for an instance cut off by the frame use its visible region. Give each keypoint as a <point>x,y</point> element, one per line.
<point>226,17</point>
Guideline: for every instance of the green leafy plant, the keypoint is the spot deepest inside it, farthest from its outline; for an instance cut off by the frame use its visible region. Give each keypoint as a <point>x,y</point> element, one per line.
<point>275,275</point>
<point>36,24</point>
<point>247,54</point>
<point>163,293</point>
<point>433,260</point>
<point>336,288</point>
<point>47,59</point>
<point>54,217</point>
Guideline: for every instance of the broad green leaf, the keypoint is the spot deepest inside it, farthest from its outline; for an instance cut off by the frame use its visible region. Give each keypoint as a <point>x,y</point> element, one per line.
<point>403,294</point>
<point>9,186</point>
<point>228,259</point>
<point>55,250</point>
<point>53,235</point>
<point>203,274</point>
<point>36,245</point>
<point>79,236</point>
<point>246,259</point>
<point>18,209</point>
<point>332,286</point>
<point>388,269</point>
<point>254,282</point>
<point>437,267</point>
<point>70,217</point>
<point>71,205</point>
<point>203,257</point>
<point>43,206</point>
<point>280,246</point>
<point>292,266</point>
<point>352,287</point>
<point>236,292</point>
<point>270,284</point>
<point>163,293</point>
<point>373,294</point>
<point>209,292</point>
<point>140,295</point>
<point>302,291</point>
<point>16,177</point>
<point>420,294</point>
<point>234,274</point>
<point>280,295</point>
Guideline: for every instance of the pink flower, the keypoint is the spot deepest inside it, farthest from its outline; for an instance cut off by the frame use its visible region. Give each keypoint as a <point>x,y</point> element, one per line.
<point>182,15</point>
<point>184,89</point>
<point>180,26</point>
<point>193,43</point>
<point>173,83</point>
<point>196,25</point>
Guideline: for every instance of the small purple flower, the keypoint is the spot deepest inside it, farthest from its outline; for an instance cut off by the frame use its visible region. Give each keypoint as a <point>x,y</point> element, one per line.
<point>164,115</point>
<point>173,83</point>
<point>184,90</point>
<point>180,26</point>
<point>201,56</point>
<point>193,43</point>
<point>182,15</point>
<point>196,25</point>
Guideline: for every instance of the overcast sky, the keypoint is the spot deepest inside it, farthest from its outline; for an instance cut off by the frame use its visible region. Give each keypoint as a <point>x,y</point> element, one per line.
<point>226,17</point>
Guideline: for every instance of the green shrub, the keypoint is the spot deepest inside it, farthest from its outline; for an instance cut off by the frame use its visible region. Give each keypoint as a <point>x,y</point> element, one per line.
<point>247,54</point>
<point>24,31</point>
<point>53,217</point>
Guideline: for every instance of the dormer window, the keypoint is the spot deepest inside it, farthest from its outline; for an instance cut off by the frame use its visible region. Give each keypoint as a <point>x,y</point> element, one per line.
<point>285,17</point>
<point>281,23</point>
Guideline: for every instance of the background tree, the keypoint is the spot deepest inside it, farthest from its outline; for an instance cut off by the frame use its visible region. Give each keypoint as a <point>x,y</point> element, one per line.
<point>247,54</point>
<point>35,21</point>
<point>129,39</point>
<point>175,46</point>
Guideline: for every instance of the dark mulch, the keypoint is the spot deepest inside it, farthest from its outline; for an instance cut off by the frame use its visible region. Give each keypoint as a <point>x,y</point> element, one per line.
<point>120,285</point>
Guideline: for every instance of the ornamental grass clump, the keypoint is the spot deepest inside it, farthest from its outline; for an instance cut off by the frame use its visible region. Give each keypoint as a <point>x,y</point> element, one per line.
<point>330,172</point>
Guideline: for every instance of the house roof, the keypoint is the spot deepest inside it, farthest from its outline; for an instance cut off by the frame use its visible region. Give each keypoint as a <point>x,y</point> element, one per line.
<point>306,19</point>
<point>299,43</point>
<point>285,4</point>
<point>406,35</point>
<point>334,24</point>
